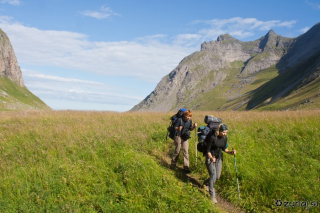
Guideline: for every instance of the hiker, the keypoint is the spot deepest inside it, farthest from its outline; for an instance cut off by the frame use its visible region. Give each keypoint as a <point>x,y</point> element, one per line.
<point>183,127</point>
<point>216,143</point>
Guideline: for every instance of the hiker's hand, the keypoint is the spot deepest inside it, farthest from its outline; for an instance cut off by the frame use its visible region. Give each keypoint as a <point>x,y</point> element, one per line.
<point>213,159</point>
<point>195,125</point>
<point>233,152</point>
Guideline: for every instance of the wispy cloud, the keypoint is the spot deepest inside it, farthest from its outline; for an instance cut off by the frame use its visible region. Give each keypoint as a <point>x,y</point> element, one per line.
<point>55,87</point>
<point>237,26</point>
<point>145,58</point>
<point>303,30</point>
<point>12,2</point>
<point>314,5</point>
<point>102,13</point>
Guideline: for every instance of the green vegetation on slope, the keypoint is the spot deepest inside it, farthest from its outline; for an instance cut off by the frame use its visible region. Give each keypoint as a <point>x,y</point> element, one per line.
<point>14,97</point>
<point>298,88</point>
<point>234,90</point>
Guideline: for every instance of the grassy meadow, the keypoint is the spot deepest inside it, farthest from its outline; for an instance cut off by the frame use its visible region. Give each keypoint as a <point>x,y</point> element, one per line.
<point>73,161</point>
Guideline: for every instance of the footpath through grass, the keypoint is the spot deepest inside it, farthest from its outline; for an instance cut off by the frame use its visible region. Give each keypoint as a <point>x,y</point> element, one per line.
<point>88,162</point>
<point>104,162</point>
<point>278,158</point>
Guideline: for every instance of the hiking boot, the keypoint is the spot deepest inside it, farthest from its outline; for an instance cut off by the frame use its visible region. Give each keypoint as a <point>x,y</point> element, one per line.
<point>187,170</point>
<point>173,164</point>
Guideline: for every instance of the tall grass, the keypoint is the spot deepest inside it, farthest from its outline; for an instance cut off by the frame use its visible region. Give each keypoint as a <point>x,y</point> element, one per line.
<point>70,161</point>
<point>88,162</point>
<point>278,158</point>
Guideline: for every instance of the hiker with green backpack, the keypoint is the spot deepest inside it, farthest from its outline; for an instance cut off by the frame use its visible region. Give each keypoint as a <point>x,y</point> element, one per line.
<point>216,142</point>
<point>183,127</point>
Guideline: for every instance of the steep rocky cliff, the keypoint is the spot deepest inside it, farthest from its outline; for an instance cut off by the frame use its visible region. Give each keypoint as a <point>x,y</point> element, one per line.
<point>226,73</point>
<point>14,95</point>
<point>8,62</point>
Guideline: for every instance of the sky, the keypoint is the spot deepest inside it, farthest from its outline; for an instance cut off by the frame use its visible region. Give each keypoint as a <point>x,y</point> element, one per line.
<point>108,55</point>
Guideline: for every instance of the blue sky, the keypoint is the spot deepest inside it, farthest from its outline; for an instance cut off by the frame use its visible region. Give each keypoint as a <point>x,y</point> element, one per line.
<point>109,55</point>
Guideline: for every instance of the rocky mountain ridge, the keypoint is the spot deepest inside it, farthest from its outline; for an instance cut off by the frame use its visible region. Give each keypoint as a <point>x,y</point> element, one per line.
<point>8,62</point>
<point>14,95</point>
<point>231,66</point>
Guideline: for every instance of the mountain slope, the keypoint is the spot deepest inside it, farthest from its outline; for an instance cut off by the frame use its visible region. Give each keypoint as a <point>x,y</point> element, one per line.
<point>14,95</point>
<point>229,74</point>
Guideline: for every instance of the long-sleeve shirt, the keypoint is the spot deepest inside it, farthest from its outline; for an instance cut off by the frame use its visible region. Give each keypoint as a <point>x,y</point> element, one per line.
<point>215,144</point>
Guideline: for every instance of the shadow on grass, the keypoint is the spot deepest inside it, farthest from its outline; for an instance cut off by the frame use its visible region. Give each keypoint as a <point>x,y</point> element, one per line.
<point>179,173</point>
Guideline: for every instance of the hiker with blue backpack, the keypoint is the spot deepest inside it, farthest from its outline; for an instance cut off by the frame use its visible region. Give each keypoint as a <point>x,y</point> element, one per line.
<point>182,130</point>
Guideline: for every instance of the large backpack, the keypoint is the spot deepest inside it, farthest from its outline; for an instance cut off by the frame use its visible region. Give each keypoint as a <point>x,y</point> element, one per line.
<point>212,125</point>
<point>171,131</point>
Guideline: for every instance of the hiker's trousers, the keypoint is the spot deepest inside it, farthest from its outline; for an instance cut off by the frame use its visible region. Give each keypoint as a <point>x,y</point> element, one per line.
<point>214,170</point>
<point>178,141</point>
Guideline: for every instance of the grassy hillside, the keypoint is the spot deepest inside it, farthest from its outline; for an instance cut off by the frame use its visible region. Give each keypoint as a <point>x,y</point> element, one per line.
<point>14,97</point>
<point>112,162</point>
<point>235,91</point>
<point>270,89</point>
<point>299,88</point>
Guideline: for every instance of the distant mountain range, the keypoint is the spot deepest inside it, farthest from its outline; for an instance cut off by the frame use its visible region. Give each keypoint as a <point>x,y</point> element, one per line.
<point>14,95</point>
<point>270,73</point>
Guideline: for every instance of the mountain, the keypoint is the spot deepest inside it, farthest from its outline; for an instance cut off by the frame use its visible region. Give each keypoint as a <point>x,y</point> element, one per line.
<point>272,73</point>
<point>14,95</point>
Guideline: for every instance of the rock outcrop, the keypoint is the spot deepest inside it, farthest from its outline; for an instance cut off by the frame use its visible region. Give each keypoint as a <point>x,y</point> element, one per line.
<point>14,95</point>
<point>8,62</point>
<point>208,68</point>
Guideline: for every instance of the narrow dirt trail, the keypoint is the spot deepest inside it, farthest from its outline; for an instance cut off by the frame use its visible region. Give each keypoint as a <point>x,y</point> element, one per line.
<point>223,205</point>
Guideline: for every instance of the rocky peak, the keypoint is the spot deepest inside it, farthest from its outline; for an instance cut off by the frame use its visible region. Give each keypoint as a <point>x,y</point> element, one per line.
<point>269,40</point>
<point>271,33</point>
<point>226,37</point>
<point>8,62</point>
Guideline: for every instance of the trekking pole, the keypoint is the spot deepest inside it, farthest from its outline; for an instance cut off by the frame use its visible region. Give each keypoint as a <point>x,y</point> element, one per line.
<point>235,165</point>
<point>195,142</point>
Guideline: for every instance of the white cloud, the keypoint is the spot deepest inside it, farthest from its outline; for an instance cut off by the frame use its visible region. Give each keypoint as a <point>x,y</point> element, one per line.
<point>55,87</point>
<point>33,74</point>
<point>145,58</point>
<point>12,2</point>
<point>102,13</point>
<point>188,39</point>
<point>303,30</point>
<point>237,26</point>
<point>314,5</point>
<point>151,39</point>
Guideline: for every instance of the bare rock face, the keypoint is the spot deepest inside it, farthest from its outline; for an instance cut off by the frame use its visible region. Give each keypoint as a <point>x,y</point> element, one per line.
<point>303,47</point>
<point>202,71</point>
<point>8,62</point>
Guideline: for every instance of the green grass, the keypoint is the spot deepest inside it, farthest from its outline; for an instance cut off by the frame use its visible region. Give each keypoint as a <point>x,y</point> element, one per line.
<point>278,158</point>
<point>293,76</point>
<point>69,161</point>
<point>15,97</point>
<point>89,162</point>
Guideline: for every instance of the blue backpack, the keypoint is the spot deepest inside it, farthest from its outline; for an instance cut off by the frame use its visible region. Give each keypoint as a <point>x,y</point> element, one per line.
<point>212,125</point>
<point>171,131</point>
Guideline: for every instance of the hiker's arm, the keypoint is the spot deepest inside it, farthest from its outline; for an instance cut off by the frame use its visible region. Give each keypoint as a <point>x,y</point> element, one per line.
<point>213,159</point>
<point>178,125</point>
<point>194,126</point>
<point>209,144</point>
<point>233,152</point>
<point>178,128</point>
